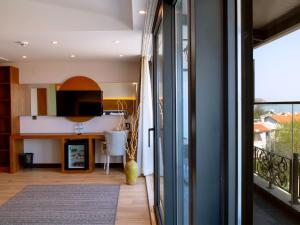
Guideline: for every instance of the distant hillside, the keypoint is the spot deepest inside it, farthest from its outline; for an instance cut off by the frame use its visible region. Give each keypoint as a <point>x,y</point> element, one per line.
<point>259,100</point>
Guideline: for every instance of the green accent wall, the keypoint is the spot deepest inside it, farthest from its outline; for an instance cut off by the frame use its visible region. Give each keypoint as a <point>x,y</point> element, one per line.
<point>51,100</point>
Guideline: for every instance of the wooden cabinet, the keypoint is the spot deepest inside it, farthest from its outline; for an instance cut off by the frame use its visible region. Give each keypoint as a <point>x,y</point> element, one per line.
<point>9,111</point>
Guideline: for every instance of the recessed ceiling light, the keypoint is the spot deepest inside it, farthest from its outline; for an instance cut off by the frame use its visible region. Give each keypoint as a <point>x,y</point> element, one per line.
<point>24,57</point>
<point>116,41</point>
<point>54,42</point>
<point>142,12</point>
<point>121,55</point>
<point>23,43</point>
<point>72,56</point>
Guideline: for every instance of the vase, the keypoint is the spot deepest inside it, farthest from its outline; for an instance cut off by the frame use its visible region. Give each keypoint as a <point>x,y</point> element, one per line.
<point>131,172</point>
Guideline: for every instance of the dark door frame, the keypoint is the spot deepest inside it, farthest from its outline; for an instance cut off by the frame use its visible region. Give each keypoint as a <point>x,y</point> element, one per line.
<point>247,103</point>
<point>169,70</point>
<point>165,17</point>
<point>208,100</point>
<point>157,208</point>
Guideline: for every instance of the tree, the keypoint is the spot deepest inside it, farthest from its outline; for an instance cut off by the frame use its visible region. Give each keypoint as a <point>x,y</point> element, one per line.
<point>286,139</point>
<point>258,111</point>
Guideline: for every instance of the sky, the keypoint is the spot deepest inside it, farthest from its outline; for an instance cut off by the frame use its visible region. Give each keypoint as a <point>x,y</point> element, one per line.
<point>277,69</point>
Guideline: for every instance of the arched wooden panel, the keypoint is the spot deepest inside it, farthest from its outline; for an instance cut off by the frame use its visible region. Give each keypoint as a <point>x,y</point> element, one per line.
<point>79,83</point>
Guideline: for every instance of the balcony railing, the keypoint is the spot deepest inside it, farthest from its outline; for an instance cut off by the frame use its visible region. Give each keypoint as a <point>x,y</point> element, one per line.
<point>277,170</point>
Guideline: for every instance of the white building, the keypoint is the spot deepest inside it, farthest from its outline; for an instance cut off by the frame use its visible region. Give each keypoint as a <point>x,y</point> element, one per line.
<point>261,135</point>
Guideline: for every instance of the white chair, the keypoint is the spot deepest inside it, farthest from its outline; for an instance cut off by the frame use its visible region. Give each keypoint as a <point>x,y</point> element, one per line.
<point>115,146</point>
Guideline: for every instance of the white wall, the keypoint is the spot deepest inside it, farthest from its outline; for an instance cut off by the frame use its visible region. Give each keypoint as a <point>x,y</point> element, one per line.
<point>33,100</point>
<point>53,124</point>
<point>45,151</point>
<point>119,90</point>
<point>58,71</point>
<point>48,151</point>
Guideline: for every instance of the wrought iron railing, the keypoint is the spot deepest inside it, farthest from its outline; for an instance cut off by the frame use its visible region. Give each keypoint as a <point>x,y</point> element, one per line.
<point>278,170</point>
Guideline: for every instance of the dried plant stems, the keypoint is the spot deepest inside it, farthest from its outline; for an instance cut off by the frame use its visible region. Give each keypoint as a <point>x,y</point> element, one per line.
<point>131,147</point>
<point>122,106</point>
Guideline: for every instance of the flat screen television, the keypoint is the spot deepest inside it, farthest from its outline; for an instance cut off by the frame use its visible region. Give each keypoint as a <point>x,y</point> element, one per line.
<point>79,103</point>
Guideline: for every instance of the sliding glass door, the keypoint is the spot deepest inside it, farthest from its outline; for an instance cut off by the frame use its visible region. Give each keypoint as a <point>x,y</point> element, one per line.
<point>182,110</point>
<point>171,107</point>
<point>159,123</point>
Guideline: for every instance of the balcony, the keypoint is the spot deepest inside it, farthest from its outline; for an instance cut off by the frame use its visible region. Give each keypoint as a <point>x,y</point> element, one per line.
<point>276,164</point>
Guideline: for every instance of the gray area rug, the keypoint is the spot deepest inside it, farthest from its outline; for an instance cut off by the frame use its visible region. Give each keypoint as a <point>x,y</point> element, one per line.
<point>86,204</point>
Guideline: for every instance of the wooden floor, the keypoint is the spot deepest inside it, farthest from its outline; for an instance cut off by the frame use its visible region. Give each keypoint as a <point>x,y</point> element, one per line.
<point>132,206</point>
<point>150,191</point>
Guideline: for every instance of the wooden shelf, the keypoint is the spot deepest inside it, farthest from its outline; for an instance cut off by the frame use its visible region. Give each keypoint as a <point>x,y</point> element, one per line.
<point>4,169</point>
<point>9,94</point>
<point>5,108</point>
<point>5,142</point>
<point>112,104</point>
<point>5,74</point>
<point>4,116</point>
<point>5,126</point>
<point>4,155</point>
<point>4,92</point>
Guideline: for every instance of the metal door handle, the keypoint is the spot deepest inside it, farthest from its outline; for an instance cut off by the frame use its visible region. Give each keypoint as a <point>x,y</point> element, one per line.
<point>149,130</point>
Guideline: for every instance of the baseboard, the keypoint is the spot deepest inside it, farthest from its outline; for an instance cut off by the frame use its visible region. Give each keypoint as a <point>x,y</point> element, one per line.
<point>111,165</point>
<point>46,165</point>
<point>58,165</point>
<point>4,169</point>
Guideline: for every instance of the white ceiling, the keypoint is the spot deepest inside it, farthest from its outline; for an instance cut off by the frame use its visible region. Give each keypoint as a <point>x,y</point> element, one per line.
<point>86,28</point>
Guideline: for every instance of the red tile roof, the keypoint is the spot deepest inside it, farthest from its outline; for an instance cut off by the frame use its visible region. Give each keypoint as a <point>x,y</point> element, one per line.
<point>285,118</point>
<point>260,128</point>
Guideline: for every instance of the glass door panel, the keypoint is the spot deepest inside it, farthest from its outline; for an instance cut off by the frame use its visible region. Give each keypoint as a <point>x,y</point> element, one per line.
<point>76,156</point>
<point>182,110</point>
<point>160,112</point>
<point>159,122</point>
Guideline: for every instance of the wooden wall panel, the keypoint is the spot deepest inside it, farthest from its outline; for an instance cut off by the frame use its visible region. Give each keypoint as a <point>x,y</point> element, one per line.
<point>4,125</point>
<point>4,91</point>
<point>18,103</point>
<point>25,90</point>
<point>51,97</point>
<point>19,106</point>
<point>79,83</point>
<point>42,101</point>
